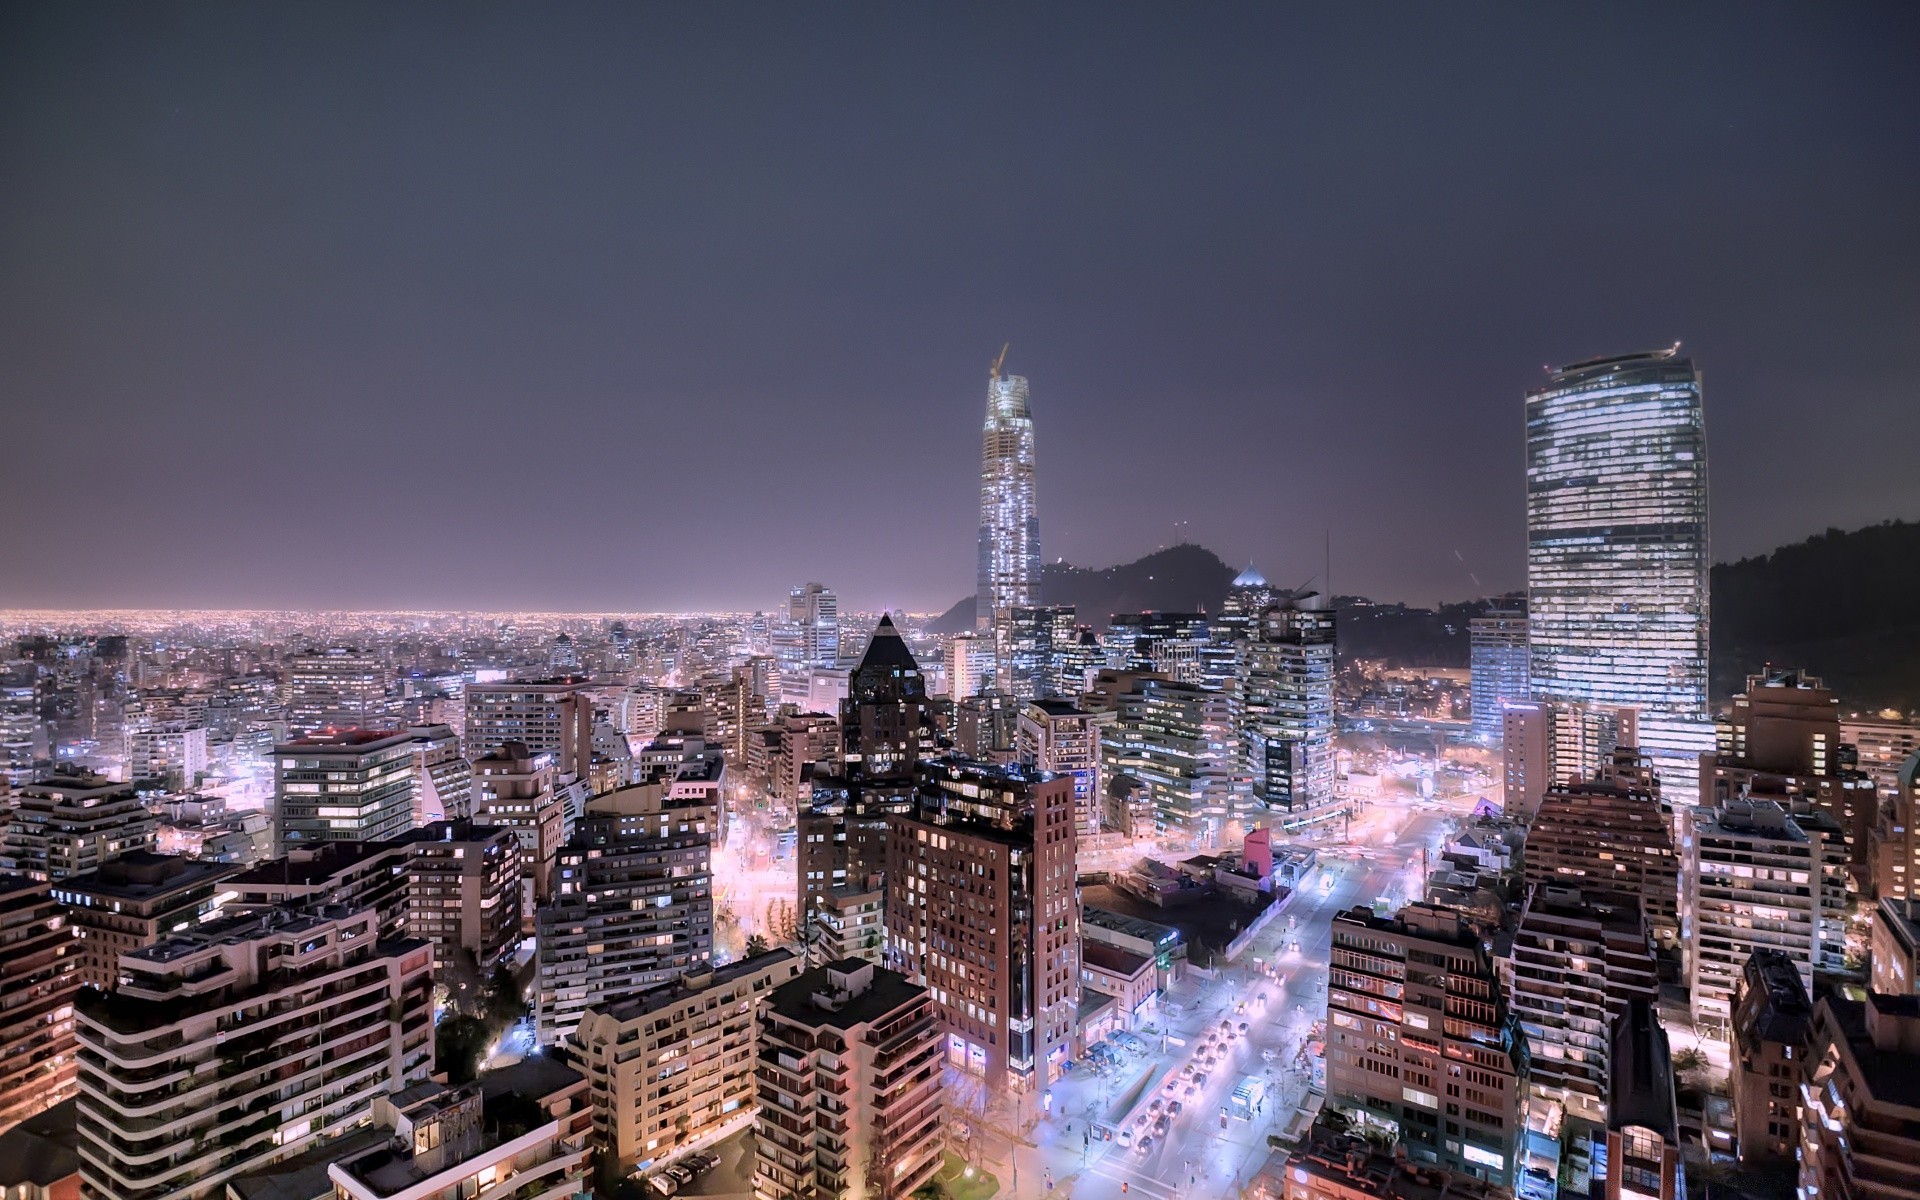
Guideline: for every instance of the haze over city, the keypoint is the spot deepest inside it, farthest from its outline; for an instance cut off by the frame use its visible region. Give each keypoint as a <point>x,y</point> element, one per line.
<point>727,280</point>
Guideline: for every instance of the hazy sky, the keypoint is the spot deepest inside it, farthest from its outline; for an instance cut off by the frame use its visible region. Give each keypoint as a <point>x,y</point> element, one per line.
<point>672,305</point>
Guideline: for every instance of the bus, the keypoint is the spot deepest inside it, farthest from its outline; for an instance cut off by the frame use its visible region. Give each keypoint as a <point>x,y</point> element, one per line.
<point>1247,1095</point>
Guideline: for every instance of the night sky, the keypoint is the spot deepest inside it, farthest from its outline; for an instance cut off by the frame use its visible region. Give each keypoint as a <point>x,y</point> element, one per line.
<point>669,306</point>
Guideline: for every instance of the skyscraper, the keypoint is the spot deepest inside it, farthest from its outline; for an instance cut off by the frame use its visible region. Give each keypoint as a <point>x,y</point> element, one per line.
<point>1499,661</point>
<point>1617,549</point>
<point>1009,522</point>
<point>1284,718</point>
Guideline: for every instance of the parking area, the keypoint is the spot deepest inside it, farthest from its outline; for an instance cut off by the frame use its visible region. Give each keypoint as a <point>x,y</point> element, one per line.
<point>724,1169</point>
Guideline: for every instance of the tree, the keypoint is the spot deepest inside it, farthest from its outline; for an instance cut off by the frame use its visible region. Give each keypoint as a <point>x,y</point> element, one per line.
<point>504,1003</point>
<point>459,1043</point>
<point>756,945</point>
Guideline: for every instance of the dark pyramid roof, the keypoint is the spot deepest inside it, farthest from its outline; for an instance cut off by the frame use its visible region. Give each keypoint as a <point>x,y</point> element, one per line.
<point>1642,1085</point>
<point>886,661</point>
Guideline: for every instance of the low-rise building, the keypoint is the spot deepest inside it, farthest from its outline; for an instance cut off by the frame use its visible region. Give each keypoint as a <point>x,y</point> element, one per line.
<point>673,1068</point>
<point>849,1083</point>
<point>451,1142</point>
<point>1128,977</point>
<point>1337,1166</point>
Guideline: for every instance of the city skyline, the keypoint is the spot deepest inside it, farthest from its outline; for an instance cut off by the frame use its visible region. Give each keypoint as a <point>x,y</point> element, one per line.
<point>1323,280</point>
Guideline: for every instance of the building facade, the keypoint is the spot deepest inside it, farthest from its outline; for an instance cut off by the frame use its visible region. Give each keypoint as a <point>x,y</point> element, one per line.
<point>1611,833</point>
<point>1771,1021</point>
<point>1056,737</point>
<point>39,981</point>
<point>1009,518</point>
<point>70,823</point>
<point>1284,698</point>
<point>353,785</point>
<point>133,902</point>
<point>1497,658</point>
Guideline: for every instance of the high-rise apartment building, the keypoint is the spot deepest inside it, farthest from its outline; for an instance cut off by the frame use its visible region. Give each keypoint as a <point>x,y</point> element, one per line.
<point>1860,1119</point>
<point>1881,745</point>
<point>464,887</point>
<point>1579,959</point>
<point>1420,1039</point>
<point>1611,833</point>
<point>243,1042</point>
<point>353,785</point>
<point>20,731</point>
<point>1760,877</point>
<point>1058,738</point>
<point>1896,840</point>
<point>849,1081</point>
<point>39,980</point>
<point>134,901</point>
<point>1178,740</point>
<point>339,688</point>
<point>1894,947</point>
<point>1284,701</point>
<point>1497,657</point>
<point>800,743</point>
<point>173,751</point>
<point>969,664</point>
<point>442,779</point>
<point>440,1145</point>
<point>632,909</point>
<point>1617,551</point>
<point>1009,518</point>
<point>1543,745</point>
<point>673,1067</point>
<point>513,786</point>
<point>982,910</point>
<point>1771,1021</point>
<point>71,822</point>
<point>547,716</point>
<point>1780,741</point>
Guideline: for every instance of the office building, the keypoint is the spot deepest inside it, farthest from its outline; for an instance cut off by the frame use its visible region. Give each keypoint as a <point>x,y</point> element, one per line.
<point>1180,646</point>
<point>464,888</point>
<point>1056,737</point>
<point>1284,701</point>
<point>39,980</point>
<point>1178,740</point>
<point>71,822</point>
<point>1611,833</point>
<point>242,1042</point>
<point>982,910</point>
<point>1758,877</point>
<point>1009,520</point>
<point>338,688</point>
<point>1772,1018</point>
<point>352,785</point>
<point>548,716</point>
<point>1617,549</point>
<point>442,779</point>
<point>133,902</point>
<point>673,1068</point>
<point>1643,1117</point>
<point>632,909</point>
<point>1247,597</point>
<point>1420,1040</point>
<point>174,752</point>
<point>441,1143</point>
<point>849,1085</point>
<point>513,786</point>
<point>1497,657</point>
<point>1859,1110</point>
<point>21,733</point>
<point>1780,741</point>
<point>886,721</point>
<point>1030,645</point>
<point>1578,960</point>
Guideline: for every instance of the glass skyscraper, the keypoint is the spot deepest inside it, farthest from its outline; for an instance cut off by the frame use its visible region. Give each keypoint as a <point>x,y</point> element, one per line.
<point>1617,550</point>
<point>1009,522</point>
<point>1498,647</point>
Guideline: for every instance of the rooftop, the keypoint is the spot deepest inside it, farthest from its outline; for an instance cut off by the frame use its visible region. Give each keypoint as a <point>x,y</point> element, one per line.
<point>695,983</point>
<point>143,875</point>
<point>42,1149</point>
<point>797,1000</point>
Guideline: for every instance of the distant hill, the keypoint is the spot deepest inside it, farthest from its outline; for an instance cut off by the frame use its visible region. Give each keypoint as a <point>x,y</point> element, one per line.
<point>1845,606</point>
<point>1183,578</point>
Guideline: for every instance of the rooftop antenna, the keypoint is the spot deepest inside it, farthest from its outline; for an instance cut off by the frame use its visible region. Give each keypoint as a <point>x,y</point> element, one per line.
<point>993,372</point>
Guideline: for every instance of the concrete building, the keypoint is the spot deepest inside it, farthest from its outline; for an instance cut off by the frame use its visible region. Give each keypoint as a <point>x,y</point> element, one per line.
<point>1611,833</point>
<point>547,716</point>
<point>443,780</point>
<point>970,665</point>
<point>1860,1100</point>
<point>1497,658</point>
<point>174,751</point>
<point>513,786</point>
<point>241,1043</point>
<point>463,897</point>
<point>444,1144</point>
<point>1881,744</point>
<point>851,922</point>
<point>632,910</point>
<point>1772,1018</point>
<point>1338,1166</point>
<point>1130,978</point>
<point>355,875</point>
<point>1420,1039</point>
<point>1283,710</point>
<point>1009,562</point>
<point>672,1069</point>
<point>1780,741</point>
<point>1578,961</point>
<point>1056,737</point>
<point>982,911</point>
<point>1895,948</point>
<point>1757,878</point>
<point>71,822</point>
<point>1896,872</point>
<point>1178,740</point>
<point>338,688</point>
<point>133,902</point>
<point>1643,1119</point>
<point>1546,745</point>
<point>39,980</point>
<point>849,1086</point>
<point>801,742</point>
<point>350,785</point>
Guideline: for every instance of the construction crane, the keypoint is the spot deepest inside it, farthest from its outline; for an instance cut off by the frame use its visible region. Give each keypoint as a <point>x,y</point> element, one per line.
<point>993,372</point>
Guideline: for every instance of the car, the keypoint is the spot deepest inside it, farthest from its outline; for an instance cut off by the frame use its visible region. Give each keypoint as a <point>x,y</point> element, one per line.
<point>1146,1144</point>
<point>1226,1026</point>
<point>681,1172</point>
<point>1243,1027</point>
<point>1158,1104</point>
<point>1173,1110</point>
<point>666,1185</point>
